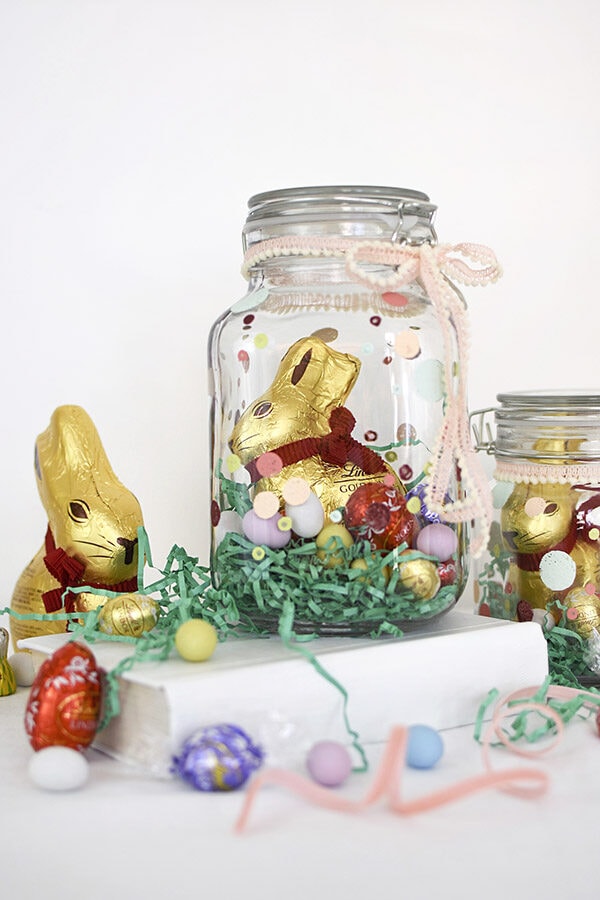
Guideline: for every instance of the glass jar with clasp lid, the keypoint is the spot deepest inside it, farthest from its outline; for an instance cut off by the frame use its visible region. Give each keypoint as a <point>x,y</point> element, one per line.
<point>343,476</point>
<point>543,556</point>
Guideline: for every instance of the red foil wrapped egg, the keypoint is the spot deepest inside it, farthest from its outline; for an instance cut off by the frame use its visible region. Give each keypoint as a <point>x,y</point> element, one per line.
<point>64,703</point>
<point>377,512</point>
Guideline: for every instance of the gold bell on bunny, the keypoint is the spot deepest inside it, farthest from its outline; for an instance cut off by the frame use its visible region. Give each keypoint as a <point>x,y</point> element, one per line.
<point>342,471</point>
<point>93,520</point>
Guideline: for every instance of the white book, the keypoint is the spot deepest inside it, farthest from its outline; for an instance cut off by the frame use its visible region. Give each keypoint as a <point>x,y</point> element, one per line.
<point>438,675</point>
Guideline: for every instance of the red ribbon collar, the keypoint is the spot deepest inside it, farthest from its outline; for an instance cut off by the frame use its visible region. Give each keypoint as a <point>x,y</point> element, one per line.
<point>68,571</point>
<point>337,448</point>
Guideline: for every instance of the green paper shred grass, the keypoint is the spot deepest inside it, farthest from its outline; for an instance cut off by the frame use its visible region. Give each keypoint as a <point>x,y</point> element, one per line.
<point>530,725</point>
<point>327,599</point>
<point>566,648</point>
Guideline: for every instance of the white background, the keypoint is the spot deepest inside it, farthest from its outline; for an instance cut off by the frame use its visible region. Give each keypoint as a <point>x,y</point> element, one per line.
<point>132,134</point>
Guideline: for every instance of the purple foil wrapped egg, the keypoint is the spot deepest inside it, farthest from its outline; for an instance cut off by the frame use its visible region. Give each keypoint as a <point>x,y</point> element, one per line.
<point>424,512</point>
<point>218,758</point>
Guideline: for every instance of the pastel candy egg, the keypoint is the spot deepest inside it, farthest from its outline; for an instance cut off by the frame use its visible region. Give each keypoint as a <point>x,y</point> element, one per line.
<point>308,517</point>
<point>58,769</point>
<point>329,763</point>
<point>329,539</point>
<point>23,667</point>
<point>425,747</point>
<point>437,540</point>
<point>265,531</point>
<point>195,640</point>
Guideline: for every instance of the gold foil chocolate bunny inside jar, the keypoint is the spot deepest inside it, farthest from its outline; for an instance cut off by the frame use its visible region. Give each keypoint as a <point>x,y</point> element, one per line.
<point>337,416</point>
<point>543,559</point>
<point>93,519</point>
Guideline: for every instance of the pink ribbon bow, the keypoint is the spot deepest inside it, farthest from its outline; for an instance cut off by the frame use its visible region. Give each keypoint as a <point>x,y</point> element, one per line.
<point>435,267</point>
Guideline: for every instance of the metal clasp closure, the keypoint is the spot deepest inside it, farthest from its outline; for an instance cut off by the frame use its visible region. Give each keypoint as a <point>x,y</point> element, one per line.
<point>479,420</point>
<point>397,235</point>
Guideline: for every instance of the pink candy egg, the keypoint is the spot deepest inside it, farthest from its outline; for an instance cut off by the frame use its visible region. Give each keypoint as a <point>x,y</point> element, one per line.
<point>265,531</point>
<point>329,763</point>
<point>437,540</point>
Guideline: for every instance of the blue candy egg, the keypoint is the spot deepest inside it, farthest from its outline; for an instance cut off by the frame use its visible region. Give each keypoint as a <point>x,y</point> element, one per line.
<point>218,758</point>
<point>425,747</point>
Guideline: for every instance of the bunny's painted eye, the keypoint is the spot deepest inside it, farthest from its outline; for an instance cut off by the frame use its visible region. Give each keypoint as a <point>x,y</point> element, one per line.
<point>79,510</point>
<point>262,410</point>
<point>550,508</point>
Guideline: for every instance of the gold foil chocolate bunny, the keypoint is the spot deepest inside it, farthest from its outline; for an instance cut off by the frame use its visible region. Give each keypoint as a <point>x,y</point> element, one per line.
<point>537,519</point>
<point>301,418</point>
<point>92,525</point>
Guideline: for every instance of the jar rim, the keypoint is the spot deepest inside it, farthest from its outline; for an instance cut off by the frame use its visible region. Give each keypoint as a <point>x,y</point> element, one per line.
<point>549,399</point>
<point>289,200</point>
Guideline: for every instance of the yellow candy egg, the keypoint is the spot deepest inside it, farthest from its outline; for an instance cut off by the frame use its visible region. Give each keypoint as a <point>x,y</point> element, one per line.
<point>326,542</point>
<point>196,640</point>
<point>363,564</point>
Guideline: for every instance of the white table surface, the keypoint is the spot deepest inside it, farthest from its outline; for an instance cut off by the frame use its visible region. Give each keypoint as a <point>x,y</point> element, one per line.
<point>126,834</point>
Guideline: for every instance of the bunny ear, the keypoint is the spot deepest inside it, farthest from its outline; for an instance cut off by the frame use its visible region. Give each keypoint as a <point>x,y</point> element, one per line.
<point>322,375</point>
<point>70,457</point>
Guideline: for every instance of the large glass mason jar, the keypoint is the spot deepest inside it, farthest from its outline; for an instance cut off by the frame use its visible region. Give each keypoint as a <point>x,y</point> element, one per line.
<point>543,557</point>
<point>343,478</point>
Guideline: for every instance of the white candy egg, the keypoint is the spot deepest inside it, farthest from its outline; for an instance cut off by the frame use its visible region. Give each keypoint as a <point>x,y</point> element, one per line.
<point>58,769</point>
<point>307,518</point>
<point>23,667</point>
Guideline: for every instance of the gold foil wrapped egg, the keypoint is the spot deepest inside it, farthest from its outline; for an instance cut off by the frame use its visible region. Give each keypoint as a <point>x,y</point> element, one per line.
<point>583,612</point>
<point>129,615</point>
<point>420,576</point>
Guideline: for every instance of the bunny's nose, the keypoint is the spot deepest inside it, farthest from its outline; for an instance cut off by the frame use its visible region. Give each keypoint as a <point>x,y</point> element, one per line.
<point>129,548</point>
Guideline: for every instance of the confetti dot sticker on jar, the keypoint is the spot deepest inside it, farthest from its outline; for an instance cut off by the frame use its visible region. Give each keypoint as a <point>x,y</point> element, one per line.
<point>394,299</point>
<point>501,492</point>
<point>557,570</point>
<point>296,491</point>
<point>327,335</point>
<point>233,462</point>
<point>261,341</point>
<point>535,506</point>
<point>269,464</point>
<point>407,344</point>
<point>367,348</point>
<point>266,504</point>
<point>429,380</point>
<point>251,300</point>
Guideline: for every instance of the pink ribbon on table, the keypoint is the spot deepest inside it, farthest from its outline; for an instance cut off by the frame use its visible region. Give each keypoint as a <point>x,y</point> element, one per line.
<point>435,267</point>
